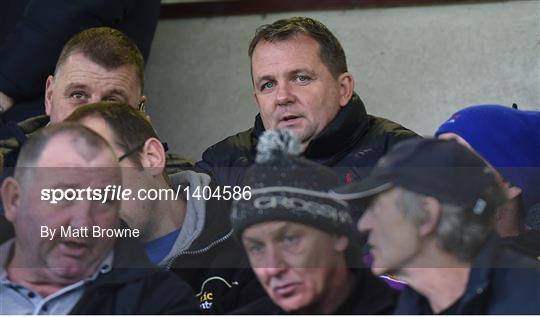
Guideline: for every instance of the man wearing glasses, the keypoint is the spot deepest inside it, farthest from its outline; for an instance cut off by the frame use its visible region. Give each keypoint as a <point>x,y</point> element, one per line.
<point>186,233</point>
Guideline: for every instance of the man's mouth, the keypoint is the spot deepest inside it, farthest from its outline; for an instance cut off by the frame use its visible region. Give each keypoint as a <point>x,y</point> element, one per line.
<point>289,120</point>
<point>286,290</point>
<point>74,248</point>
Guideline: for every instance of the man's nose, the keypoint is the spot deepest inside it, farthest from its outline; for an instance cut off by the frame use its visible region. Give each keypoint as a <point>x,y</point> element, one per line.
<point>284,95</point>
<point>364,224</point>
<point>83,214</point>
<point>274,263</point>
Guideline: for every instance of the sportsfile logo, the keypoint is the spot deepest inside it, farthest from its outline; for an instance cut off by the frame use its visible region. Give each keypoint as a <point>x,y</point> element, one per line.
<point>116,193</point>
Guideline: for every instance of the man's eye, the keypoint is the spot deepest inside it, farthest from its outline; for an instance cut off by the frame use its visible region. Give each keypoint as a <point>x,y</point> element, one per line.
<point>111,99</point>
<point>268,85</point>
<point>254,249</point>
<point>77,95</point>
<point>302,78</point>
<point>110,201</point>
<point>290,239</point>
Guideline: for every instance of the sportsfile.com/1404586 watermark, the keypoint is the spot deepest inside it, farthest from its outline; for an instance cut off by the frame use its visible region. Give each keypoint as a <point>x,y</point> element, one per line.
<point>118,192</point>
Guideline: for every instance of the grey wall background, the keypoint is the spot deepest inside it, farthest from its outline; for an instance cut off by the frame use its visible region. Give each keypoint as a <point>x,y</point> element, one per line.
<point>414,65</point>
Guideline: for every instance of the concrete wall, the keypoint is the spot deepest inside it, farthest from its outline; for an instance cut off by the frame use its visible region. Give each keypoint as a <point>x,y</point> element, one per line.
<point>414,65</point>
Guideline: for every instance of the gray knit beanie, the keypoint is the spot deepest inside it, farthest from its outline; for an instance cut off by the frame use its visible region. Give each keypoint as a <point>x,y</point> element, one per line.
<point>287,187</point>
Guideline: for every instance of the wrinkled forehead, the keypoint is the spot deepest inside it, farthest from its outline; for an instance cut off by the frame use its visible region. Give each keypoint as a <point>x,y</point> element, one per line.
<point>77,65</point>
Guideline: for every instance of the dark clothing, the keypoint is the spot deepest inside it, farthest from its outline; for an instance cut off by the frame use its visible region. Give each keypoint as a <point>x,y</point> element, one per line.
<point>6,229</point>
<point>135,286</point>
<point>216,266</point>
<point>527,243</point>
<point>501,281</point>
<point>370,296</point>
<point>13,135</point>
<point>33,32</point>
<point>351,144</point>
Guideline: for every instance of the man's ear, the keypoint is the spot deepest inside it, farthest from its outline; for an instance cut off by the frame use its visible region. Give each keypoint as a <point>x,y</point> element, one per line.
<point>512,191</point>
<point>153,156</point>
<point>432,207</point>
<point>48,94</point>
<point>340,243</point>
<point>346,88</point>
<point>11,193</point>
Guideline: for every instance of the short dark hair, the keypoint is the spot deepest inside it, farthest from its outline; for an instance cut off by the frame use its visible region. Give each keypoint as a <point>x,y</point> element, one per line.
<point>86,142</point>
<point>129,125</point>
<point>330,52</point>
<point>107,47</point>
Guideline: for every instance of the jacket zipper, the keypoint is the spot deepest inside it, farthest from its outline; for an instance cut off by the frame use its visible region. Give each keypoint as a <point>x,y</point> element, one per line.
<point>200,251</point>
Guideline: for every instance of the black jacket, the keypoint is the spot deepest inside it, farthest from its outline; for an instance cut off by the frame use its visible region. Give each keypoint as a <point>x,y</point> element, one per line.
<point>501,281</point>
<point>370,296</point>
<point>351,144</point>
<point>135,286</point>
<point>33,32</point>
<point>216,266</point>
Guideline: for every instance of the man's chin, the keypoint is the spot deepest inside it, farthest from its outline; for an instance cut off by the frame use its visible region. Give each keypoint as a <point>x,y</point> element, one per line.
<point>300,133</point>
<point>70,270</point>
<point>379,269</point>
<point>293,304</point>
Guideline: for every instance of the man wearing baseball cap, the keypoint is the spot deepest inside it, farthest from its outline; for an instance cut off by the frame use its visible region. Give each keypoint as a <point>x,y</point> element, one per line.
<point>430,220</point>
<point>299,239</point>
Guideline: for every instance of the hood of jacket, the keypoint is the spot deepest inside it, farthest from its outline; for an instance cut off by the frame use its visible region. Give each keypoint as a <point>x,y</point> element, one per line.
<point>203,227</point>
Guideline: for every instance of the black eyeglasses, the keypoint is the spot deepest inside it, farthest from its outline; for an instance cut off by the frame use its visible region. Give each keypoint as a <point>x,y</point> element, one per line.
<point>133,150</point>
<point>138,147</point>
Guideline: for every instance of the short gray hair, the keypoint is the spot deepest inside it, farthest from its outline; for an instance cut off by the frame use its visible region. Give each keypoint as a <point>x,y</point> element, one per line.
<point>459,231</point>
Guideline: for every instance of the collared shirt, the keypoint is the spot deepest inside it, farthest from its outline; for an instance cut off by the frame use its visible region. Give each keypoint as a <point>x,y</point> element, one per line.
<point>16,299</point>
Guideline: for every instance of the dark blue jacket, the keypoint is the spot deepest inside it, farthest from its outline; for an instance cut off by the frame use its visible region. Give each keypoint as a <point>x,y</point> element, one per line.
<point>501,281</point>
<point>351,144</point>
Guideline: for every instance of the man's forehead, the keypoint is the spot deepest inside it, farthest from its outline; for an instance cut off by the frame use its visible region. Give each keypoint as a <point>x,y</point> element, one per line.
<point>271,229</point>
<point>78,69</point>
<point>296,54</point>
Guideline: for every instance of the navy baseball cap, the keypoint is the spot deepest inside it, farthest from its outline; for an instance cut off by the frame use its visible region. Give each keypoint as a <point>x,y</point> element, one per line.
<point>441,169</point>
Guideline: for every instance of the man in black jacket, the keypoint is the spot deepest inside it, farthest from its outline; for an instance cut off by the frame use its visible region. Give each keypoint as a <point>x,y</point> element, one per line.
<point>301,82</point>
<point>186,228</point>
<point>65,256</point>
<point>300,241</point>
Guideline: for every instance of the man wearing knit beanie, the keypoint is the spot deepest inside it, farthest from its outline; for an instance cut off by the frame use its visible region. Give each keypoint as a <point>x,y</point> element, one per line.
<point>299,239</point>
<point>509,140</point>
